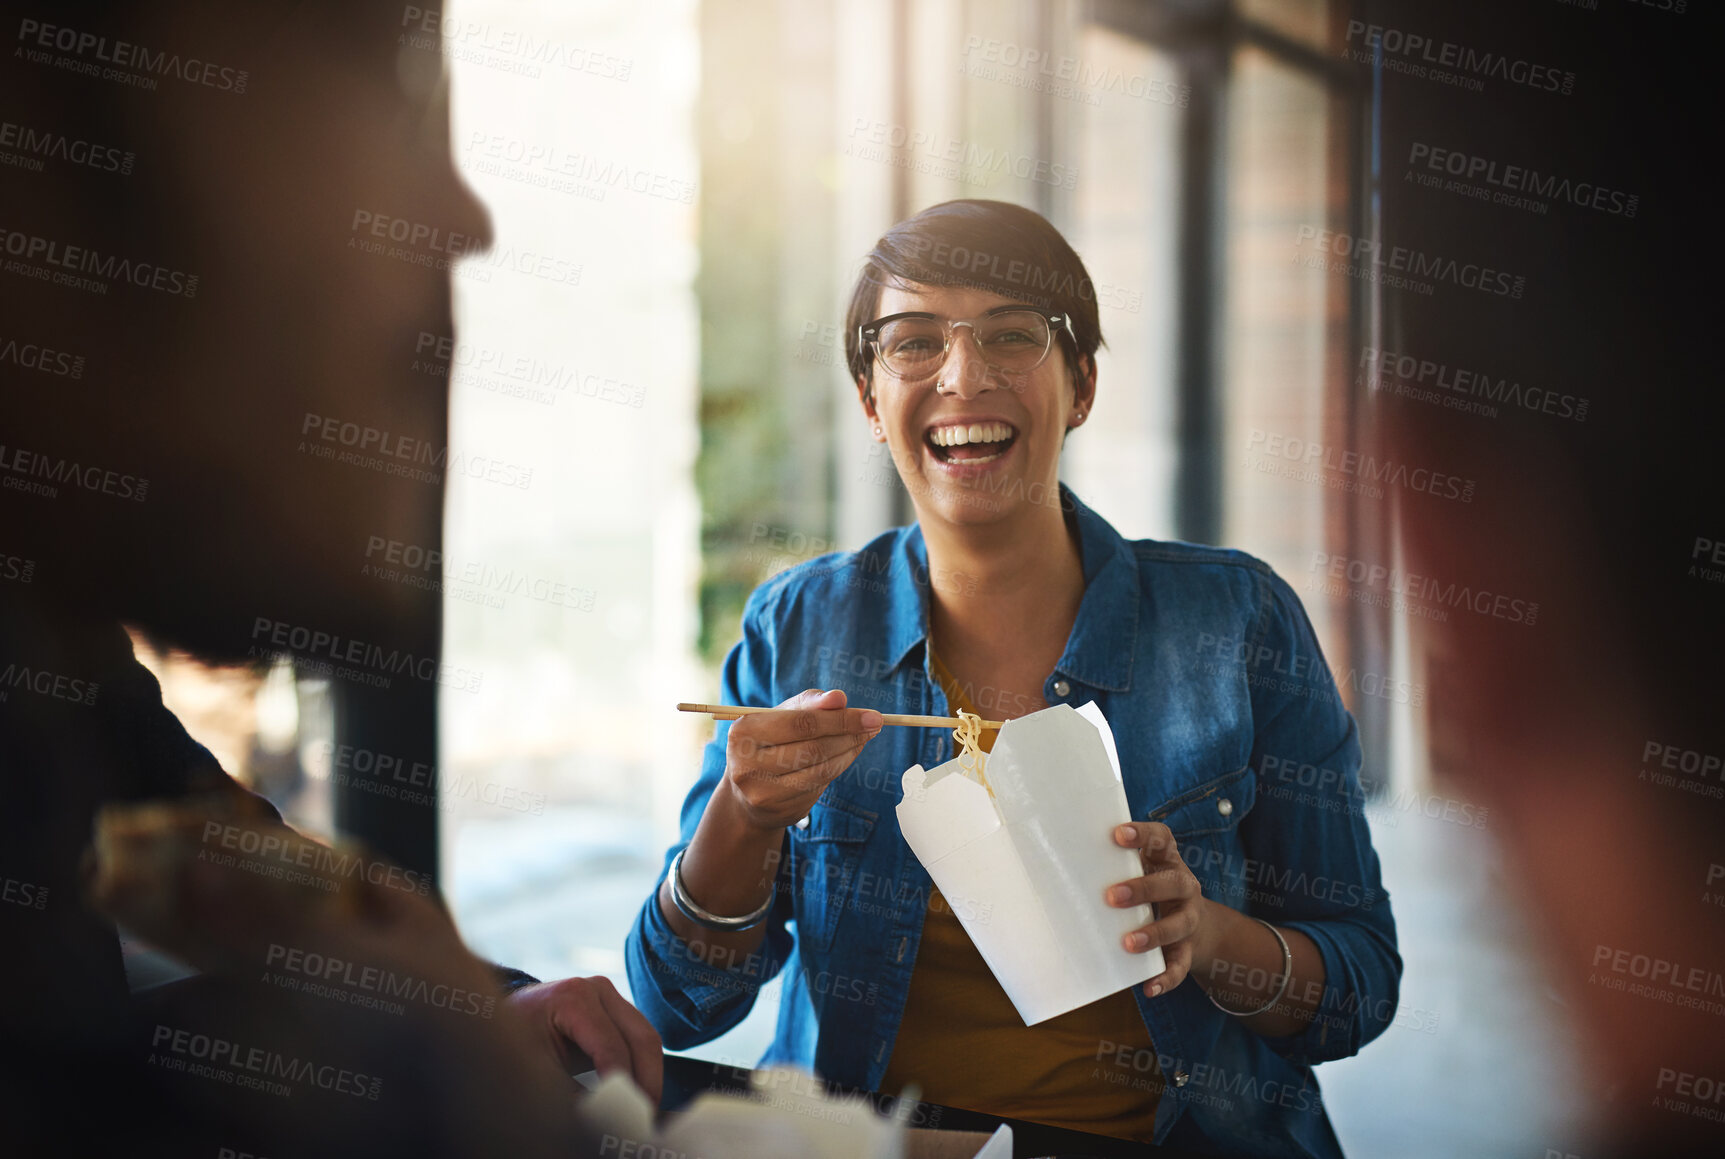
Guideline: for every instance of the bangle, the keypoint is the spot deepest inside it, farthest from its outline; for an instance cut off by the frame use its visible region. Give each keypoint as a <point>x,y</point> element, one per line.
<point>687,907</point>
<point>1287,976</point>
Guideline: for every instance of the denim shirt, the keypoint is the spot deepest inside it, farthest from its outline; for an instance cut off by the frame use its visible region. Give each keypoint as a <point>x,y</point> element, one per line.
<point>1230,731</point>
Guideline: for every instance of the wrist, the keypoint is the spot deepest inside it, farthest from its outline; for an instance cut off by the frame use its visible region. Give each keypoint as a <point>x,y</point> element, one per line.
<point>1207,939</point>
<point>740,819</point>
<point>721,922</point>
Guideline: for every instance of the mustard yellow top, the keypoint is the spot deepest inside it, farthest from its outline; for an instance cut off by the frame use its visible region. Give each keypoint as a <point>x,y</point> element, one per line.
<point>964,1044</point>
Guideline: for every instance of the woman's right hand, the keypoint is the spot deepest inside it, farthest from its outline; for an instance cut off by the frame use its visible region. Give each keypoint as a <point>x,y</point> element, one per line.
<point>778,763</point>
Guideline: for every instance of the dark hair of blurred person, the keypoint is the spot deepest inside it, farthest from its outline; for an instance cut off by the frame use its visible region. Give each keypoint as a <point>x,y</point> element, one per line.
<point>243,191</point>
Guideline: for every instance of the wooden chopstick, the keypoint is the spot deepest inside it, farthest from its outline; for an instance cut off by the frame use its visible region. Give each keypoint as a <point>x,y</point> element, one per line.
<point>733,711</point>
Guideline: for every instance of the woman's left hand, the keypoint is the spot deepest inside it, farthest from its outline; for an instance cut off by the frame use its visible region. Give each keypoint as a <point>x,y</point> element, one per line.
<point>1177,895</point>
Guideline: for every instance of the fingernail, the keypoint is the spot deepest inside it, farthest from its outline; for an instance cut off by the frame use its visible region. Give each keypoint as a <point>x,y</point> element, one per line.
<point>1138,941</point>
<point>1128,832</point>
<point>871,720</point>
<point>1155,989</point>
<point>1118,895</point>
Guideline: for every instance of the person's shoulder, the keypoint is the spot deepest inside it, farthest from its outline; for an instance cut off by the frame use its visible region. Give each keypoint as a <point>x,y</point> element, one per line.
<point>862,572</point>
<point>1177,559</point>
<point>1199,575</point>
<point>1175,564</point>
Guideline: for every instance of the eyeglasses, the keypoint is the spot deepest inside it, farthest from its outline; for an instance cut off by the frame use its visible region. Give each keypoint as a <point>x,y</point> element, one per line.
<point>914,346</point>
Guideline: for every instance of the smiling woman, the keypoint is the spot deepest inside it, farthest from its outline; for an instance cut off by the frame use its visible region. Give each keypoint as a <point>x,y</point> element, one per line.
<point>971,337</point>
<point>1035,320</point>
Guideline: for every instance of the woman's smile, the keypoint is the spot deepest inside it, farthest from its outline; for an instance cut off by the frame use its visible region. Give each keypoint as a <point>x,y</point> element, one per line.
<point>965,445</point>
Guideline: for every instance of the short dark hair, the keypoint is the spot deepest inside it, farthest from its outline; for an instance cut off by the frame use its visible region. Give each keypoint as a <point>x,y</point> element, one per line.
<point>981,245</point>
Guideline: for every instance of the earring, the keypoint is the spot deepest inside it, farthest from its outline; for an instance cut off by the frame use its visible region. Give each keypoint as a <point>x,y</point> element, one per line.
<point>877,430</point>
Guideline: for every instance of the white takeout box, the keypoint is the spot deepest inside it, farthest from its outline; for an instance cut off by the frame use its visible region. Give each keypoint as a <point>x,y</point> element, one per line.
<point>1026,870</point>
<point>786,1116</point>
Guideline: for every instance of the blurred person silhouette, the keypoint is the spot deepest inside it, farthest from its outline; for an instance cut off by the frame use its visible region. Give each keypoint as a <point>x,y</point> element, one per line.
<point>1595,736</point>
<point>194,298</point>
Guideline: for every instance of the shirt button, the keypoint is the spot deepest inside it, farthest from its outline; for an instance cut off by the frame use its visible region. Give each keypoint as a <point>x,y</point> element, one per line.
<point>1061,688</point>
<point>1224,806</point>
<point>1181,1078</point>
<point>803,824</point>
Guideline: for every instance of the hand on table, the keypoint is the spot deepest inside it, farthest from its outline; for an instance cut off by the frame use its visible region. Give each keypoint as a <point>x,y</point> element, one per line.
<point>587,1021</point>
<point>1170,885</point>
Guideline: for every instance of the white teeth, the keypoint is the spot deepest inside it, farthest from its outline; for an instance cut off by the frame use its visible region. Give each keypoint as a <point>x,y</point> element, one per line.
<point>974,433</point>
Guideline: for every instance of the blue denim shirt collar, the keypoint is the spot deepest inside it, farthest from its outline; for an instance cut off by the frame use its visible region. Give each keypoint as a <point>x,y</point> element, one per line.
<point>1103,641</point>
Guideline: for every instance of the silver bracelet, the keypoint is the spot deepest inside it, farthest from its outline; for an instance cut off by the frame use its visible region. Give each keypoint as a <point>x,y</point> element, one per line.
<point>687,907</point>
<point>1287,976</point>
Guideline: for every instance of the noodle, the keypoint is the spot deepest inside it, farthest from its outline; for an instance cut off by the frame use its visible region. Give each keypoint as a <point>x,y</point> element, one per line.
<point>971,758</point>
